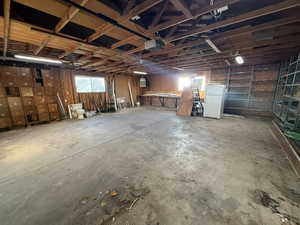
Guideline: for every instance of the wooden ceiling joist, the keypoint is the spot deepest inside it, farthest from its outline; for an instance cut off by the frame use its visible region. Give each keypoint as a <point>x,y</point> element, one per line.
<point>251,29</point>
<point>71,12</point>
<point>6,6</point>
<point>159,14</point>
<point>43,45</point>
<point>238,19</point>
<point>144,6</point>
<point>183,7</point>
<point>196,13</point>
<point>124,41</point>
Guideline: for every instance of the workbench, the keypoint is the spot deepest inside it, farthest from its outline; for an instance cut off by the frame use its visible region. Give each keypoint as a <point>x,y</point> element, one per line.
<point>162,98</point>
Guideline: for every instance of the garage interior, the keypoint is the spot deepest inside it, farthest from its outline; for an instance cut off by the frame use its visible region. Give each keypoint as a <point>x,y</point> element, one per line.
<point>149,112</point>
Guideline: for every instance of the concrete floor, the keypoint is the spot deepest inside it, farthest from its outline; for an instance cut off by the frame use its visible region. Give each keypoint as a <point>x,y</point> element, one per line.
<point>198,171</point>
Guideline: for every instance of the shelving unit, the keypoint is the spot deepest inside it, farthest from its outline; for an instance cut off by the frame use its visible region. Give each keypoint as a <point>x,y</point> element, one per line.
<point>248,87</point>
<point>287,97</point>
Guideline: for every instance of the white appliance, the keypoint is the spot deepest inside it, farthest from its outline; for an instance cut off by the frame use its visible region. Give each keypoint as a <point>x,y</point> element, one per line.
<point>214,101</point>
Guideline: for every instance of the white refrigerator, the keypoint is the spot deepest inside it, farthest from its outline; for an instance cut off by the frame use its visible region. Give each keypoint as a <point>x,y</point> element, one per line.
<point>214,101</point>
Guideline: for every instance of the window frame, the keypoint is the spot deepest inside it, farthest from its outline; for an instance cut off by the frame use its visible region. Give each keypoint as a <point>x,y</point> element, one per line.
<point>91,81</point>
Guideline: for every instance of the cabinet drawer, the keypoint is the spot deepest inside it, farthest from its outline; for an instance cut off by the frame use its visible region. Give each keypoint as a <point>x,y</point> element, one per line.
<point>26,91</point>
<point>39,100</point>
<point>14,102</point>
<point>51,99</point>
<point>5,123</point>
<point>3,103</point>
<point>49,91</point>
<point>24,82</point>
<point>9,82</point>
<point>28,101</point>
<point>54,116</point>
<point>2,92</point>
<point>18,121</point>
<point>4,113</point>
<point>17,113</point>
<point>53,108</point>
<point>39,91</point>
<point>43,116</point>
<point>24,72</point>
<point>42,109</point>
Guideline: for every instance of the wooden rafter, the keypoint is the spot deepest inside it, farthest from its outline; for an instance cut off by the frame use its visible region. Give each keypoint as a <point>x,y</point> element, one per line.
<point>6,7</point>
<point>238,19</point>
<point>137,10</point>
<point>159,14</point>
<point>129,6</point>
<point>183,7</point>
<point>124,41</point>
<point>43,44</point>
<point>68,52</point>
<point>196,13</point>
<point>71,12</point>
<point>107,27</point>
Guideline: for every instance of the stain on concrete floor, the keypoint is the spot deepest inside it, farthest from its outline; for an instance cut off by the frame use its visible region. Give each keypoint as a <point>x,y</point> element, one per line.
<point>198,171</point>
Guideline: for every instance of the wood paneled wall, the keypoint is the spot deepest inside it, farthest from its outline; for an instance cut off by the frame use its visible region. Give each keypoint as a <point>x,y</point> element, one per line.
<point>29,95</point>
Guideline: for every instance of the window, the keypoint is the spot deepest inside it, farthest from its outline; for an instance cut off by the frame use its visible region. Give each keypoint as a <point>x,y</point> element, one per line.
<point>184,82</point>
<point>199,83</point>
<point>89,84</point>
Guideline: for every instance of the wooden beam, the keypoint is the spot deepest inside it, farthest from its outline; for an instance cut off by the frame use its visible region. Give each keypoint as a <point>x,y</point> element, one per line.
<point>124,41</point>
<point>129,6</point>
<point>6,6</point>
<point>196,13</point>
<point>159,14</point>
<point>107,27</point>
<point>71,12</point>
<point>183,7</point>
<point>43,44</point>
<point>238,19</point>
<point>69,51</point>
<point>250,29</point>
<point>137,10</point>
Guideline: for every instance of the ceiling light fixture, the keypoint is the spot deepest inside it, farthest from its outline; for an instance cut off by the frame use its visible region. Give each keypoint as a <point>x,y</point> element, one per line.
<point>140,72</point>
<point>239,59</point>
<point>38,59</point>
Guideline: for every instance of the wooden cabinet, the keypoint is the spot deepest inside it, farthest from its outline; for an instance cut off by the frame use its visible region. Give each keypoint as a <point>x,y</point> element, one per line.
<point>43,117</point>
<point>16,111</point>
<point>53,108</point>
<point>9,76</point>
<point>28,101</point>
<point>38,91</point>
<point>28,95</point>
<point>54,116</point>
<point>40,100</point>
<point>5,123</point>
<point>42,109</point>
<point>2,92</point>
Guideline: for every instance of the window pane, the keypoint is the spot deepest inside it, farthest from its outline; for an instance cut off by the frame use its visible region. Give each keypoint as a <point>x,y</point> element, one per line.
<point>98,84</point>
<point>89,84</point>
<point>83,84</point>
